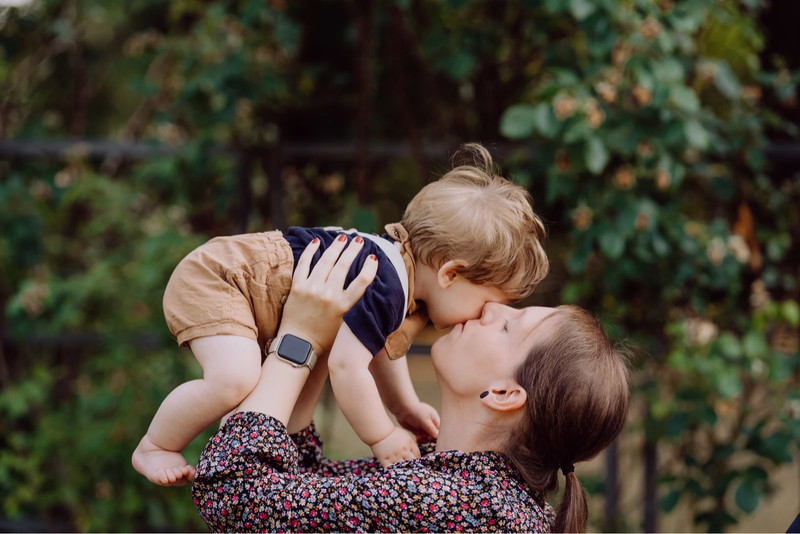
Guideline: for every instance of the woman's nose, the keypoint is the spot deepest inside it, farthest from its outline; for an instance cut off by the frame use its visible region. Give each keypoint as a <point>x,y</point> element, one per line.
<point>490,311</point>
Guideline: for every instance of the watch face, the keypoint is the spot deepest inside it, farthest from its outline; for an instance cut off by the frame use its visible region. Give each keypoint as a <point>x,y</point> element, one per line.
<point>294,349</point>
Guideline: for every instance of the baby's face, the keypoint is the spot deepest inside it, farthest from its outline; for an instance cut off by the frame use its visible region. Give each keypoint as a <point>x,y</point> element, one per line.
<point>461,301</point>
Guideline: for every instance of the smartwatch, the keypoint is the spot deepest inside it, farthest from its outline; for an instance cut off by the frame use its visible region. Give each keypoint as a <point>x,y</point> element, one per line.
<point>294,351</point>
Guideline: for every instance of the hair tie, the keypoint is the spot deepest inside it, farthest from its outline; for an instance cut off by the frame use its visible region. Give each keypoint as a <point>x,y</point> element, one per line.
<point>566,469</point>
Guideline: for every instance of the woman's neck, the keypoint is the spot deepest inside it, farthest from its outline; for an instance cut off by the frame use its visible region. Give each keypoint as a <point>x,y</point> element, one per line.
<point>471,427</point>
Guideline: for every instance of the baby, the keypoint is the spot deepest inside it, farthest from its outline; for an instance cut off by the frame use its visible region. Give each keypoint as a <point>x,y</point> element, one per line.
<point>469,238</point>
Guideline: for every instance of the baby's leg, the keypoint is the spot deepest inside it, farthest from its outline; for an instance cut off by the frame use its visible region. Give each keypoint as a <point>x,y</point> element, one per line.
<point>231,368</point>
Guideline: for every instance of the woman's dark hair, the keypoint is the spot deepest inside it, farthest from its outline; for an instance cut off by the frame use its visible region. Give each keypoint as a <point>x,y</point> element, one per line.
<point>578,394</point>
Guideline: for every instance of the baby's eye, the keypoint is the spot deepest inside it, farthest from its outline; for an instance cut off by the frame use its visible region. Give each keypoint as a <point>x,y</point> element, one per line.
<point>505,326</point>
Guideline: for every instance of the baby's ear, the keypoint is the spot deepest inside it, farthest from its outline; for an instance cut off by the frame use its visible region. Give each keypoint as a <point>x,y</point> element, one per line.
<point>449,272</point>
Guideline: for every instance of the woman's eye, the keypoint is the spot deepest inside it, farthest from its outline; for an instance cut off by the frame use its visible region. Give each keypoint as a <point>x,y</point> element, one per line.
<point>505,326</point>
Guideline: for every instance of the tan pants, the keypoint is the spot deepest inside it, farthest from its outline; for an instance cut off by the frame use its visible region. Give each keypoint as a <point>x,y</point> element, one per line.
<point>234,285</point>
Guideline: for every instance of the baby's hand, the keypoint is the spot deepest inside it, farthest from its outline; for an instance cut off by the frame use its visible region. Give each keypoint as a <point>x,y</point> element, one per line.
<point>396,447</point>
<point>422,419</point>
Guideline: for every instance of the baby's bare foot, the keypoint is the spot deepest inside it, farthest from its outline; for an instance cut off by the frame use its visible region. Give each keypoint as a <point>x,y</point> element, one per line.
<point>160,466</point>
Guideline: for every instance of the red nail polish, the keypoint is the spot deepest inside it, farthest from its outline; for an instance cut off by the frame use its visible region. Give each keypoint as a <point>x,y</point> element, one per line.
<point>373,257</point>
<point>341,237</point>
<point>359,239</point>
<point>315,240</point>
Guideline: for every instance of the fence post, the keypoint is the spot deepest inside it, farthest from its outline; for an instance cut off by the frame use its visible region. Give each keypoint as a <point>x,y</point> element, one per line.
<point>612,488</point>
<point>650,489</point>
<point>244,199</point>
<point>275,187</point>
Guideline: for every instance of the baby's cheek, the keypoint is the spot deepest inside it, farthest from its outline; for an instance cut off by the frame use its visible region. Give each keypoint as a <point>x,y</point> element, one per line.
<point>474,313</point>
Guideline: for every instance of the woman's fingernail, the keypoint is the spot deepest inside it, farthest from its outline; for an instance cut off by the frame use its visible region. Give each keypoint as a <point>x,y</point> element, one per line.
<point>315,241</point>
<point>373,257</point>
<point>359,239</point>
<point>341,237</point>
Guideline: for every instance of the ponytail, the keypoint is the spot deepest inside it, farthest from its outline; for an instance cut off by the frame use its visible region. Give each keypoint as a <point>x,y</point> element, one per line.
<point>572,513</point>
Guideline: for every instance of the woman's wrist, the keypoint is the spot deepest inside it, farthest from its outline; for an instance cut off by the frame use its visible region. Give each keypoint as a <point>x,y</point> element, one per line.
<point>301,331</point>
<point>277,390</point>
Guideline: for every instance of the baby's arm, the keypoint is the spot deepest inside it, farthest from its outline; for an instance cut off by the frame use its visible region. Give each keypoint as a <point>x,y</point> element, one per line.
<point>397,391</point>
<point>357,395</point>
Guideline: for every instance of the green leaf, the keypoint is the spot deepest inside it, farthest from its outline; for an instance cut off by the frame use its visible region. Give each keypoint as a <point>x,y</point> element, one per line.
<point>726,81</point>
<point>677,424</point>
<point>696,135</point>
<point>778,447</point>
<point>554,6</point>
<point>708,416</point>
<point>688,20</point>
<point>596,155</point>
<point>729,345</point>
<point>728,384</point>
<point>577,131</point>
<point>581,9</point>
<point>364,218</point>
<point>791,312</point>
<point>579,257</point>
<point>754,345</point>
<point>660,245</point>
<point>612,244</point>
<point>459,65</point>
<point>670,500</point>
<point>669,71</point>
<point>574,291</point>
<point>518,121</point>
<point>522,177</point>
<point>747,497</point>
<point>545,121</point>
<point>684,98</point>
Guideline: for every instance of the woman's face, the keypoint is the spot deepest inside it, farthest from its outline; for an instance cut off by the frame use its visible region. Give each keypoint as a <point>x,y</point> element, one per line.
<point>474,353</point>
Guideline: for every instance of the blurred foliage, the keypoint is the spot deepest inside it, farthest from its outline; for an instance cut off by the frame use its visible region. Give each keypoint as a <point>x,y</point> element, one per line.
<point>641,125</point>
<point>648,124</point>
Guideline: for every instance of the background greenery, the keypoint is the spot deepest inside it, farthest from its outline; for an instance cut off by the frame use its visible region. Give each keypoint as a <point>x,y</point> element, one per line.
<point>641,127</point>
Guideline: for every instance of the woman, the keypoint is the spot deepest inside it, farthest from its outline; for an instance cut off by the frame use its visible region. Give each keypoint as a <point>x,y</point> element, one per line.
<point>524,393</point>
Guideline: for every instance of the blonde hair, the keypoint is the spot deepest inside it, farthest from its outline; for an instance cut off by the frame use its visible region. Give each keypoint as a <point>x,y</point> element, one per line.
<point>481,220</point>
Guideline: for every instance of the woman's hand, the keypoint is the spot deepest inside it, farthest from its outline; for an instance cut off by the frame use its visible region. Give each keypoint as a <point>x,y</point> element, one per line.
<point>318,299</point>
<point>313,311</point>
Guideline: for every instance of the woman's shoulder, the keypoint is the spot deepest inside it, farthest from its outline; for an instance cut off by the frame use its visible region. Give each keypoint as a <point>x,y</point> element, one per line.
<point>490,490</point>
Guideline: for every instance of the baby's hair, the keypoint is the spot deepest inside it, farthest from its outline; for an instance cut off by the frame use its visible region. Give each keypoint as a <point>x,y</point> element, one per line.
<point>481,220</point>
<point>474,155</point>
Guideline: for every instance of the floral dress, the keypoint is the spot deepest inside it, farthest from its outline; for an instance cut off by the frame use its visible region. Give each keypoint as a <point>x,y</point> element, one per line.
<point>253,476</point>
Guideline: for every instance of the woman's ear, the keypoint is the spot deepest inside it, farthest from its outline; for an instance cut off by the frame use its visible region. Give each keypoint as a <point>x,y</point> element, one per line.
<point>448,273</point>
<point>505,399</point>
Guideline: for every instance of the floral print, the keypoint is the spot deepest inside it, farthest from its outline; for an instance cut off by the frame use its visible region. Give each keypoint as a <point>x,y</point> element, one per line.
<point>253,476</point>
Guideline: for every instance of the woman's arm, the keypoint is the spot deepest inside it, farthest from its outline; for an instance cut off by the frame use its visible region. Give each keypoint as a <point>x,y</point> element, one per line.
<point>313,312</point>
<point>247,480</point>
<point>311,460</point>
